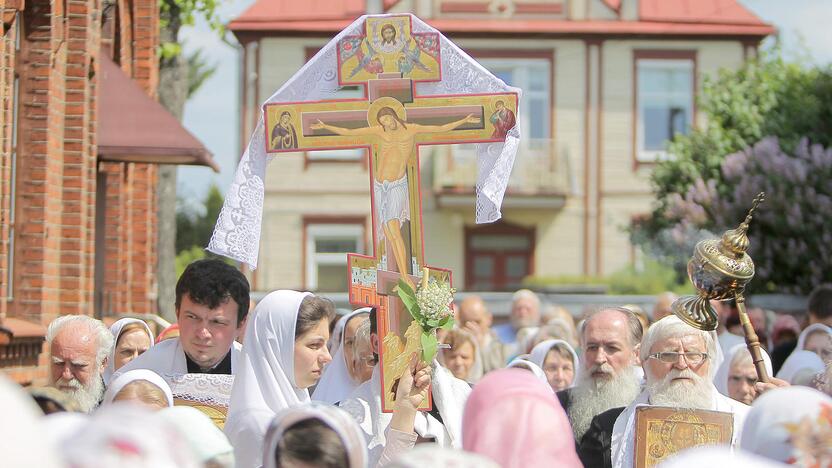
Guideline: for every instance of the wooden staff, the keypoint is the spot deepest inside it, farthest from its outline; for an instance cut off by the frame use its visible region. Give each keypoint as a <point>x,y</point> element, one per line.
<point>752,341</point>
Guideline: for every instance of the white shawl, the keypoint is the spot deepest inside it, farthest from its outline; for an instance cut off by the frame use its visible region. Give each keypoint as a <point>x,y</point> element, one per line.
<point>622,448</point>
<point>265,381</point>
<point>449,393</point>
<point>724,371</point>
<point>126,378</point>
<point>336,383</point>
<point>116,329</point>
<point>532,367</point>
<point>237,232</point>
<point>168,359</point>
<point>539,352</point>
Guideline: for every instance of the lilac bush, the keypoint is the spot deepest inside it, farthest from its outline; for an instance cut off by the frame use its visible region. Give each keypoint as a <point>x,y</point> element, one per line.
<point>791,234</point>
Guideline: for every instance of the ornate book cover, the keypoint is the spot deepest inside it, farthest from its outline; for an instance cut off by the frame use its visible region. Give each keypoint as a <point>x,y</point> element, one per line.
<point>663,431</point>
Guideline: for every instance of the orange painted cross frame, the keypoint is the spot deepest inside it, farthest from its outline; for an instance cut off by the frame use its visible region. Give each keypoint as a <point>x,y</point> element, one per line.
<point>393,122</point>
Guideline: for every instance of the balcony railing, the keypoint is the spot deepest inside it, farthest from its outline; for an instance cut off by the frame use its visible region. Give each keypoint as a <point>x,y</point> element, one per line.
<point>539,169</point>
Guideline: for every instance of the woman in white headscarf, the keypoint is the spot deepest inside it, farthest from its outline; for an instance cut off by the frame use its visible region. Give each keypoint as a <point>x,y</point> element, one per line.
<point>736,376</point>
<point>559,362</point>
<point>338,380</point>
<point>140,386</point>
<point>790,425</point>
<point>132,337</point>
<point>22,441</point>
<point>284,355</point>
<point>207,441</point>
<point>800,367</point>
<point>314,435</point>
<point>127,436</point>
<point>816,338</point>
<point>521,363</point>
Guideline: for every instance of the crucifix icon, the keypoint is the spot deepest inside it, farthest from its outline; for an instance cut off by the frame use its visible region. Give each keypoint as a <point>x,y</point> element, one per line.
<point>393,123</point>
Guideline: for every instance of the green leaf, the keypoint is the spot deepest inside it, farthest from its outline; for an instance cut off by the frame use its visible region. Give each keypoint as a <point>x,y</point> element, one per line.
<point>170,50</point>
<point>429,345</point>
<point>408,297</point>
<point>447,323</point>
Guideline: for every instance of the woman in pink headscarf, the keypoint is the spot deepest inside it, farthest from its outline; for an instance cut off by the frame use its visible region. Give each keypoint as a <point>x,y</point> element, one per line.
<point>512,418</point>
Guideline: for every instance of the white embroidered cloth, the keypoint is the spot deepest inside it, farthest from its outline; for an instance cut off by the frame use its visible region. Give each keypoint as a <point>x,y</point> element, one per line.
<point>206,389</point>
<point>237,232</point>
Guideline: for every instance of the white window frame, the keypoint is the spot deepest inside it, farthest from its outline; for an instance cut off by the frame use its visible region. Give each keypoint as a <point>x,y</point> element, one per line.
<point>650,156</point>
<point>341,155</point>
<point>313,259</point>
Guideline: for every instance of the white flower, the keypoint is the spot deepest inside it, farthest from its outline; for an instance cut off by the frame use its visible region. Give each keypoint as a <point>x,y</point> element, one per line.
<point>435,299</point>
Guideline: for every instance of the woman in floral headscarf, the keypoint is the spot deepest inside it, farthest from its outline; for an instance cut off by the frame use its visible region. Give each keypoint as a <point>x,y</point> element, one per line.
<point>791,425</point>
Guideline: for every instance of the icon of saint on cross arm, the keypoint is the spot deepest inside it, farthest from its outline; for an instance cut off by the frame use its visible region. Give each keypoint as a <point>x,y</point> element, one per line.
<point>503,120</point>
<point>284,135</point>
<point>395,146</point>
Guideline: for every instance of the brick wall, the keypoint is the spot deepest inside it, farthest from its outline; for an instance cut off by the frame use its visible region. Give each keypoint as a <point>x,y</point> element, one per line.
<point>57,169</point>
<point>7,61</point>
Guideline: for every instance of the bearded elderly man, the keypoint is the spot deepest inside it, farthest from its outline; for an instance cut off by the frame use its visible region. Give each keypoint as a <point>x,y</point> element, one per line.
<point>525,317</point>
<point>78,348</point>
<point>679,364</point>
<point>609,338</point>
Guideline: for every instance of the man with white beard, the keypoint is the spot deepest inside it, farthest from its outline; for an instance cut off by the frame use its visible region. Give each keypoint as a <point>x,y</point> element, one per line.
<point>525,318</point>
<point>607,379</point>
<point>679,363</point>
<point>78,348</point>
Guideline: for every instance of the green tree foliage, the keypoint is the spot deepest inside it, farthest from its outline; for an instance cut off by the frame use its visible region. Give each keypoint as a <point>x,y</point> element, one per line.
<point>768,96</point>
<point>193,228</point>
<point>173,14</point>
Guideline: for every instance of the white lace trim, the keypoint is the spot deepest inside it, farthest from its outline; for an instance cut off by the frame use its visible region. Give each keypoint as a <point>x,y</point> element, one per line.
<point>237,232</point>
<point>207,389</point>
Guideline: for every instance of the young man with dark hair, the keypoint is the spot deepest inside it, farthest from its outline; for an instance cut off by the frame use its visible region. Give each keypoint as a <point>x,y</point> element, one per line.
<point>212,300</point>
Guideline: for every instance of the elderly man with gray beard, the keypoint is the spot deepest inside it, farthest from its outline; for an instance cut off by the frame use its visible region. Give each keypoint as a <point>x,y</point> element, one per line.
<point>679,363</point>
<point>607,378</point>
<point>78,348</point>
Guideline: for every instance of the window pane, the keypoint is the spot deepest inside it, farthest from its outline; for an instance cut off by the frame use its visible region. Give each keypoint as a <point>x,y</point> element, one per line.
<point>505,75</point>
<point>517,267</point>
<point>338,155</point>
<point>537,114</point>
<point>336,245</point>
<point>332,278</point>
<point>483,267</point>
<point>666,99</point>
<point>538,79</point>
<point>499,242</point>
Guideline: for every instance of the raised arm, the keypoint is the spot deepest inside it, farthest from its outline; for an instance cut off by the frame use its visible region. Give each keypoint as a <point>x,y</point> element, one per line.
<point>448,126</point>
<point>343,131</point>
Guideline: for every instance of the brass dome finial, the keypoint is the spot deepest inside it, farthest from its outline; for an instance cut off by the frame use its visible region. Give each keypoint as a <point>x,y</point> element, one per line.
<point>736,241</point>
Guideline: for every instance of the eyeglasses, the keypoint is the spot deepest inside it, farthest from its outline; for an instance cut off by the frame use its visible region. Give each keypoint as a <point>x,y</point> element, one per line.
<point>671,357</point>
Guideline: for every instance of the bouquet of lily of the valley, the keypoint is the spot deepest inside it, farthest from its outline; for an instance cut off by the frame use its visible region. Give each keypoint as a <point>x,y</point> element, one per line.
<point>430,307</point>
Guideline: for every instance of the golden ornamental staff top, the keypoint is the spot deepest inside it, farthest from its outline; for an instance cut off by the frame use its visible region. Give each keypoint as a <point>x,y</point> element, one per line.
<point>735,240</point>
<point>719,270</point>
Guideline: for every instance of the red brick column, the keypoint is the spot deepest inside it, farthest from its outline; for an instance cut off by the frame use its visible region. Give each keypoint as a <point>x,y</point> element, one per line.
<point>77,266</point>
<point>40,171</point>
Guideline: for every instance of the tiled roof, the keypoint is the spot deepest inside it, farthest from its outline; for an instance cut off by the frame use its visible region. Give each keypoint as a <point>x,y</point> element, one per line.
<point>132,127</point>
<point>656,17</point>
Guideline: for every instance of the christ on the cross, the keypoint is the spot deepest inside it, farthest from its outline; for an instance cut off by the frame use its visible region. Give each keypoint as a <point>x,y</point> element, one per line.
<point>396,145</point>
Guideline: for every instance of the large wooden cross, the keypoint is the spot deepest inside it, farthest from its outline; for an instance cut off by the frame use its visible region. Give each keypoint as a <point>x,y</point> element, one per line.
<point>392,122</point>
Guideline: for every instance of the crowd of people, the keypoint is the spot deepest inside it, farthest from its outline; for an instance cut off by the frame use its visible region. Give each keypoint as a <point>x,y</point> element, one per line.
<point>545,388</point>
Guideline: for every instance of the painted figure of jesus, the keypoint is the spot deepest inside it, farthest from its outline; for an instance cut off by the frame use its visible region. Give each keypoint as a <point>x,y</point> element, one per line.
<point>396,140</point>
